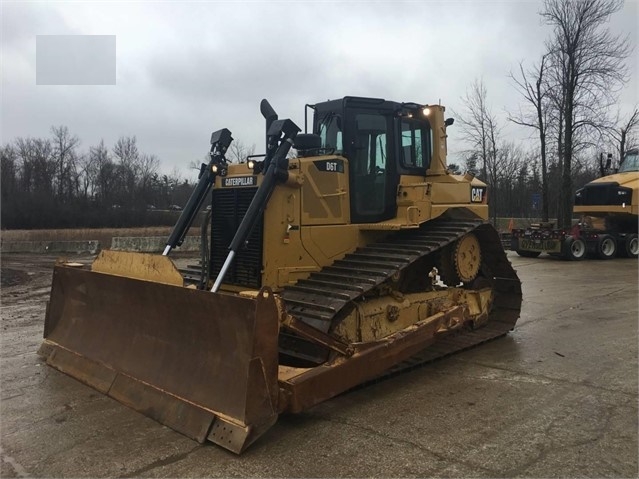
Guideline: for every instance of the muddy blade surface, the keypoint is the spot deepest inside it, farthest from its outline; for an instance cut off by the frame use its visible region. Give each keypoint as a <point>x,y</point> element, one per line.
<point>202,363</point>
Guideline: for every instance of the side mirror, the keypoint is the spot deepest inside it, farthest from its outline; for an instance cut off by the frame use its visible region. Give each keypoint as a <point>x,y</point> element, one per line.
<point>449,121</point>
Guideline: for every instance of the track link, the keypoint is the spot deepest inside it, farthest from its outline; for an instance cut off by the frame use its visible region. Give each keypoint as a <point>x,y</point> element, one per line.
<point>320,299</point>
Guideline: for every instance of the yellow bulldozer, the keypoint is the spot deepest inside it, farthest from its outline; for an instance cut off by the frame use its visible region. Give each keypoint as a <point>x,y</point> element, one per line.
<point>359,256</point>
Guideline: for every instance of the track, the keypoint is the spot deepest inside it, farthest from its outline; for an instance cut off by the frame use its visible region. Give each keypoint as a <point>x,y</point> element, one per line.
<point>325,295</point>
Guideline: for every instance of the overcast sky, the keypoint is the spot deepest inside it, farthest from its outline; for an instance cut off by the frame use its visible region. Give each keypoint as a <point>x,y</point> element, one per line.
<point>185,69</point>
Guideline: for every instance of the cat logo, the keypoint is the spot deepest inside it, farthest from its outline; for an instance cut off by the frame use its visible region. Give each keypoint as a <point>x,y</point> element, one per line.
<point>477,194</point>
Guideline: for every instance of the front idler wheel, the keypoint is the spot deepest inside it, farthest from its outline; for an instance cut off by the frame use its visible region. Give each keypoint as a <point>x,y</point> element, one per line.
<point>468,257</point>
<point>461,262</point>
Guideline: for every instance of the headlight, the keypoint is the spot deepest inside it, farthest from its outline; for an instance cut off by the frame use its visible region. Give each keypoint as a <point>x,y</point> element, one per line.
<point>250,164</point>
<point>426,111</point>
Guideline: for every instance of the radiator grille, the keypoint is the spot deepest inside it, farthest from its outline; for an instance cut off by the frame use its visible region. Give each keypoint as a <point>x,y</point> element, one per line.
<point>229,207</point>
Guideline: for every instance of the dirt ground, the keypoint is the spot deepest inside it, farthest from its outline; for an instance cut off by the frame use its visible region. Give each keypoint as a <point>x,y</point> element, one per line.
<point>557,397</point>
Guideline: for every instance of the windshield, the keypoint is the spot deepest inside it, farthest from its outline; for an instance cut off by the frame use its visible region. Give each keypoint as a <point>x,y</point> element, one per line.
<point>631,163</point>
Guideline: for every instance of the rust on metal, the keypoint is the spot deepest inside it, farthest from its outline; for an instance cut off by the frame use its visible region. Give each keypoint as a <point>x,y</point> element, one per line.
<point>179,355</point>
<point>369,361</point>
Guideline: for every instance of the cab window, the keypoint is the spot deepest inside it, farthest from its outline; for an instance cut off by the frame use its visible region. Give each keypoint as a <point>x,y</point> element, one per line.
<point>331,133</point>
<point>415,151</point>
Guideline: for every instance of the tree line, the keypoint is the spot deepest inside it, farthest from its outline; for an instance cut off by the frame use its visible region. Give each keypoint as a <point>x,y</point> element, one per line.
<point>569,100</point>
<point>51,183</point>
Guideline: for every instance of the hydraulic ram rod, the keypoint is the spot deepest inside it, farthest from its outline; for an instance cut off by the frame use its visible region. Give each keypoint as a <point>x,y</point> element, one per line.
<point>220,141</point>
<point>277,171</point>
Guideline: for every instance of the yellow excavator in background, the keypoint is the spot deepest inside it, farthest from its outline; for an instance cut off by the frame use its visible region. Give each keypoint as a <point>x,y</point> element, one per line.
<point>359,256</point>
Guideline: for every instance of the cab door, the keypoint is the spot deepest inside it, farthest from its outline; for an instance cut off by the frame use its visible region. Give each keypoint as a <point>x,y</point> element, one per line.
<point>369,147</point>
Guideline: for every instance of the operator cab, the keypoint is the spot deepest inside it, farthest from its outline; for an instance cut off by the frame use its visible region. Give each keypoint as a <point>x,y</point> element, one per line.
<point>381,141</point>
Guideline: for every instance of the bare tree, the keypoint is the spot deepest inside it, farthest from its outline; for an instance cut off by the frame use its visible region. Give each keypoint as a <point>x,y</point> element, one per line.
<point>480,129</point>
<point>8,175</point>
<point>104,169</point>
<point>148,168</point>
<point>87,170</point>
<point>478,124</point>
<point>65,157</point>
<point>175,177</point>
<point>588,65</point>
<point>127,157</point>
<point>238,151</point>
<point>502,174</point>
<point>50,182</point>
<point>624,134</point>
<point>533,86</point>
<point>126,151</point>
<point>38,166</point>
<point>149,165</point>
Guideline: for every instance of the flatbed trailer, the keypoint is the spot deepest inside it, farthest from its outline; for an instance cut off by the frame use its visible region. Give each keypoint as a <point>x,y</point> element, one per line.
<point>608,208</point>
<point>583,240</point>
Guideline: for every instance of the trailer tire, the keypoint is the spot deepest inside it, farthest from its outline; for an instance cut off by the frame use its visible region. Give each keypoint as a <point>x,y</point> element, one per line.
<point>631,246</point>
<point>528,254</point>
<point>575,249</point>
<point>606,247</point>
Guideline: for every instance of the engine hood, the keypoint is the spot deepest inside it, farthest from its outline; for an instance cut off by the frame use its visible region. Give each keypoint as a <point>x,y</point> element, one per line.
<point>629,179</point>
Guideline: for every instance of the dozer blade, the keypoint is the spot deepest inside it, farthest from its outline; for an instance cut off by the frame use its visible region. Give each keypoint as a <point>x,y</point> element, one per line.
<point>204,364</point>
